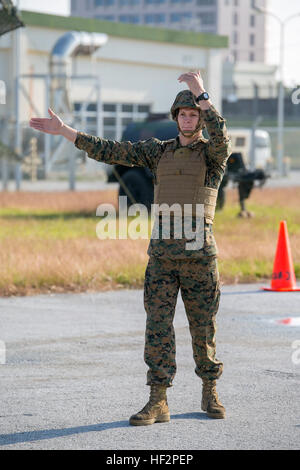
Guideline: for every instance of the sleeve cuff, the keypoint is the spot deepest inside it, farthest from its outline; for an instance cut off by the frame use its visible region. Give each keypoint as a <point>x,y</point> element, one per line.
<point>80,140</point>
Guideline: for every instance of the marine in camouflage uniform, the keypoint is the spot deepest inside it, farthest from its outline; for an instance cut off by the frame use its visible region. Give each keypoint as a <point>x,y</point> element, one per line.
<point>171,265</point>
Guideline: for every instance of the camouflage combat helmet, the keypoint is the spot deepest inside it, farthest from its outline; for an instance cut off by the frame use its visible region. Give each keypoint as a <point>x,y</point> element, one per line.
<point>186,99</point>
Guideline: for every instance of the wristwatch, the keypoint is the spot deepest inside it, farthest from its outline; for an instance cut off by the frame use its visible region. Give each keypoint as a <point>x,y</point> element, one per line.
<point>203,96</point>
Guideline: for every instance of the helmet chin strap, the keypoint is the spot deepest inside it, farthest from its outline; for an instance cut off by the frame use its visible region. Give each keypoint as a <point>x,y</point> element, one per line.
<point>190,133</point>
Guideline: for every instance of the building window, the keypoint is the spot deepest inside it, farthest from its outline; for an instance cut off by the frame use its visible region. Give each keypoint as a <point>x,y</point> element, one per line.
<point>175,17</point>
<point>105,17</point>
<point>150,2</point>
<point>252,39</point>
<point>129,19</point>
<point>143,108</point>
<point>252,57</point>
<point>235,19</point>
<point>240,142</point>
<point>235,37</point>
<point>154,18</point>
<point>128,2</point>
<point>110,107</point>
<point>179,17</point>
<point>210,3</point>
<point>116,116</point>
<point>103,3</point>
<point>207,18</point>
<point>252,20</point>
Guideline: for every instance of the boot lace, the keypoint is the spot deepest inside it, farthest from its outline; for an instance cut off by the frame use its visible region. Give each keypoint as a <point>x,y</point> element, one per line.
<point>157,394</point>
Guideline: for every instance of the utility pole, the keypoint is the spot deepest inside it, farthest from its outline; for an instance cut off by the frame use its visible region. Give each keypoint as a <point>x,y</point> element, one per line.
<point>280,117</point>
<point>18,138</point>
<point>256,121</point>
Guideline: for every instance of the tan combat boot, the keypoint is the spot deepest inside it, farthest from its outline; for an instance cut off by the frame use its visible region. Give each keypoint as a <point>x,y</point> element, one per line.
<point>210,402</point>
<point>155,411</point>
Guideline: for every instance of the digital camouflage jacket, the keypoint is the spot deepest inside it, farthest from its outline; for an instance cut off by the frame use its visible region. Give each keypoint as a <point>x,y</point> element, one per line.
<point>148,153</point>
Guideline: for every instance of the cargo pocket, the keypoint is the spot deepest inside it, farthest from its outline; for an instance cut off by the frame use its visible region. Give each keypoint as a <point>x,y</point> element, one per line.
<point>210,245</point>
<point>215,277</point>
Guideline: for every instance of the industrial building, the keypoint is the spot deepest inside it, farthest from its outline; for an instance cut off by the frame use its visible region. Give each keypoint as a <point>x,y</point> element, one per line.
<point>97,75</point>
<point>235,18</point>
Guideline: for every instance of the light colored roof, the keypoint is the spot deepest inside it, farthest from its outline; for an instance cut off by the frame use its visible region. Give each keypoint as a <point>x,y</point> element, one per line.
<point>125,30</point>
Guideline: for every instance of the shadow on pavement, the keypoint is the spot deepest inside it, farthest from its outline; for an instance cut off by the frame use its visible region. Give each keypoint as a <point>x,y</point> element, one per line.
<point>30,436</point>
<point>244,292</point>
<point>199,415</point>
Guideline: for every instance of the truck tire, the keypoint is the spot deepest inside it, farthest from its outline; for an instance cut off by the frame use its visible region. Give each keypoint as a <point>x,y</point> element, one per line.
<point>139,186</point>
<point>221,199</point>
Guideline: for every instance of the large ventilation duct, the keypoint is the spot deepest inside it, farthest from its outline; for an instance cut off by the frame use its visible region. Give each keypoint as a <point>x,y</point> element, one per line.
<point>72,44</point>
<point>67,47</point>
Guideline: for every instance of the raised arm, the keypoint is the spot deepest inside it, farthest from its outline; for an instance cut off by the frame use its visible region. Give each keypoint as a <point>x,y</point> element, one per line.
<point>219,145</point>
<point>143,153</point>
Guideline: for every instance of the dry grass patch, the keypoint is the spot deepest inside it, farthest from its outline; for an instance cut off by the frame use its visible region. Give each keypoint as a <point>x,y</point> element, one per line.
<point>64,201</point>
<point>70,266</point>
<point>49,243</point>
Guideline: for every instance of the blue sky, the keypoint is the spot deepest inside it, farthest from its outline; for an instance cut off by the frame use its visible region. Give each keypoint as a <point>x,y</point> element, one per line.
<point>279,7</point>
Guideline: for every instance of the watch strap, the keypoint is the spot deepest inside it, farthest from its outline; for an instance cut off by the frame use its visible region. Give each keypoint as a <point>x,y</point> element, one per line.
<point>201,97</point>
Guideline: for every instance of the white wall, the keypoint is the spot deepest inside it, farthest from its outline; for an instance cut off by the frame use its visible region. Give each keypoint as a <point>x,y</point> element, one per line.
<point>131,71</point>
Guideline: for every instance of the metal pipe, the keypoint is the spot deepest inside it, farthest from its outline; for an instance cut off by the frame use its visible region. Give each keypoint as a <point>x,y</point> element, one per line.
<point>280,143</point>
<point>100,131</point>
<point>68,47</point>
<point>47,136</point>
<point>75,43</point>
<point>18,130</point>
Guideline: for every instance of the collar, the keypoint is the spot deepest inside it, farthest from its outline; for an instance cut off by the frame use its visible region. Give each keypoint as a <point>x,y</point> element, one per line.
<point>176,144</point>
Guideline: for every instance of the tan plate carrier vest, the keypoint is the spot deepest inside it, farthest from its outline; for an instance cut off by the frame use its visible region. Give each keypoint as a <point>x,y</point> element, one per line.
<point>180,178</point>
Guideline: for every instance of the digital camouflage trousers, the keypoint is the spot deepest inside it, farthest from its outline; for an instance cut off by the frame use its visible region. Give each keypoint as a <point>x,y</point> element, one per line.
<point>198,281</point>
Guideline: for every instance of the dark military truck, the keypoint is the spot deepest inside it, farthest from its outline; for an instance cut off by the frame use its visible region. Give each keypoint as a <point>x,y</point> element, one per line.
<point>137,183</point>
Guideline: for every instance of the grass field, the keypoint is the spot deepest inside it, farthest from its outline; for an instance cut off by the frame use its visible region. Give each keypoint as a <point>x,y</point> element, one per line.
<point>49,243</point>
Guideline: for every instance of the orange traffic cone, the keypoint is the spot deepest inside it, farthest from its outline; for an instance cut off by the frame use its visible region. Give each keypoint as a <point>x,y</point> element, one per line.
<point>283,277</point>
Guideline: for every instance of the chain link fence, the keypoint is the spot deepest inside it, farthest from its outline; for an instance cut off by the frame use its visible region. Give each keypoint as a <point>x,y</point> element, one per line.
<point>249,106</point>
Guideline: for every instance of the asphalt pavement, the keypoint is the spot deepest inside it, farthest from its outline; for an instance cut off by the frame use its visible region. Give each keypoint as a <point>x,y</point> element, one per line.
<point>72,372</point>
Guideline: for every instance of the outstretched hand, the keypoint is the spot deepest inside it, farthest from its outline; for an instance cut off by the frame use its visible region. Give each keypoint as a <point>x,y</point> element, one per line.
<point>194,82</point>
<point>53,125</point>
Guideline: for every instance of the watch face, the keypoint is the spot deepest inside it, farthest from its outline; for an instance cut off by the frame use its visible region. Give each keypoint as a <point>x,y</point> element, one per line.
<point>203,96</point>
